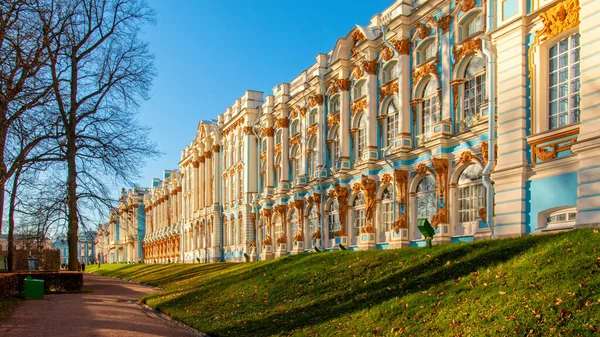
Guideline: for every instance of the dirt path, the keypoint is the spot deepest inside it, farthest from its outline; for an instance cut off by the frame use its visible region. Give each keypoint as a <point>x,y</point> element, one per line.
<point>109,310</point>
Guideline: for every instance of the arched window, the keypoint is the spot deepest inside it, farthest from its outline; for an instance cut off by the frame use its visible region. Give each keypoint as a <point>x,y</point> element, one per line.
<point>564,82</point>
<point>209,234</point>
<point>358,207</point>
<point>426,198</point>
<point>312,117</point>
<point>333,218</point>
<point>313,220</point>
<point>295,163</point>
<point>240,185</point>
<point>225,190</point>
<point>334,147</point>
<point>361,137</point>
<point>470,26</point>
<point>387,216</point>
<point>240,151</point>
<point>426,52</point>
<point>278,137</point>
<point>276,170</point>
<point>335,105</point>
<point>390,73</point>
<point>226,231</point>
<point>295,127</point>
<point>470,194</point>
<point>232,230</point>
<point>294,225</point>
<point>312,157</point>
<point>392,121</point>
<point>360,90</point>
<point>238,237</point>
<point>431,113</point>
<point>278,226</point>
<point>474,90</point>
<point>264,145</point>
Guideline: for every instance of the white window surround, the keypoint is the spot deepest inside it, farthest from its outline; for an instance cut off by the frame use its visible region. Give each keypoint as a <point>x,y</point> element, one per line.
<point>333,219</point>
<point>540,69</point>
<point>426,50</point>
<point>562,217</point>
<point>472,19</point>
<point>360,90</point>
<point>389,73</point>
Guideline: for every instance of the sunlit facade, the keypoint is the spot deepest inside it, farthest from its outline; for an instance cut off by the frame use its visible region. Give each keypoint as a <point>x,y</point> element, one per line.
<point>391,126</point>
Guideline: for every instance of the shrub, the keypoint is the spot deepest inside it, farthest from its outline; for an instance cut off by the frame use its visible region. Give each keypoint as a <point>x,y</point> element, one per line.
<point>53,281</point>
<point>8,284</point>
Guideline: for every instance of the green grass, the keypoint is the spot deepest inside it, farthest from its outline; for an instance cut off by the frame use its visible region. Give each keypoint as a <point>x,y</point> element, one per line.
<point>8,304</point>
<point>535,285</point>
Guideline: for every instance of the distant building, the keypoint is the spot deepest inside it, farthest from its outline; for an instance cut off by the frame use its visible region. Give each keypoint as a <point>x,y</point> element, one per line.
<point>86,250</point>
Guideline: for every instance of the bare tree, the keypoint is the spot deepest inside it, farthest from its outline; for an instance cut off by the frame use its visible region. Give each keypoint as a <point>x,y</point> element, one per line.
<point>100,71</point>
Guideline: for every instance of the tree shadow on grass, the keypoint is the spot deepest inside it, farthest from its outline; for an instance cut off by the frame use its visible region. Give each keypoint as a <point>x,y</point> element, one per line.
<point>419,277</point>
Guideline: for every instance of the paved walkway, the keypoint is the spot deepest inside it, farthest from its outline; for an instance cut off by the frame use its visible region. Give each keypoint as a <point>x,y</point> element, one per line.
<point>109,310</point>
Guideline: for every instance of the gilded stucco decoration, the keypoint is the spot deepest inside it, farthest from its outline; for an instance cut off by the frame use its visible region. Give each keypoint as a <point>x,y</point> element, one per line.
<point>455,86</point>
<point>293,112</point>
<point>558,18</point>
<point>263,156</point>
<point>386,179</point>
<point>484,153</point>
<point>466,5</point>
<point>341,195</point>
<point>343,84</point>
<point>233,126</point>
<point>390,88</point>
<point>402,46</point>
<point>215,148</point>
<point>358,106</point>
<point>299,237</point>
<point>370,67</point>
<point>332,87</point>
<point>207,154</point>
<point>333,119</point>
<point>295,139</point>
<point>440,166</point>
<point>466,48</point>
<point>282,239</point>
<point>386,54</point>
<point>356,188</point>
<point>422,31</point>
<point>368,187</point>
<point>312,130</point>
<point>281,123</point>
<point>483,214</point>
<point>428,69</point>
<point>358,36</point>
<point>444,23</point>
<point>266,213</point>
<point>422,169</point>
<point>401,182</point>
<point>277,149</point>
<point>268,132</point>
<point>357,72</point>
<point>281,210</point>
<point>543,153</point>
<point>466,158</point>
<point>400,223</point>
<point>316,235</point>
<point>314,100</point>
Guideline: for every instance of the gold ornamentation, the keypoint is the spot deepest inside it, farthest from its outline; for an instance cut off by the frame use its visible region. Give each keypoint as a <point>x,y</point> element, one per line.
<point>440,217</point>
<point>253,217</point>
<point>343,84</point>
<point>466,48</point>
<point>207,154</point>
<point>386,179</point>
<point>333,119</point>
<point>467,5</point>
<point>314,100</point>
<point>341,194</point>
<point>370,67</point>
<point>316,235</point>
<point>247,130</point>
<point>293,112</point>
<point>466,158</point>
<point>386,54</point>
<point>263,156</point>
<point>421,169</point>
<point>557,19</point>
<point>357,72</point>
<point>282,239</point>
<point>281,210</point>
<point>358,36</point>
<point>268,132</point>
<point>401,182</point>
<point>295,139</point>
<point>390,88</point>
<point>425,70</point>
<point>215,148</point>
<point>267,241</point>
<point>402,46</point>
<point>444,23</point>
<point>543,154</point>
<point>483,214</point>
<point>252,245</point>
<point>368,187</point>
<point>332,87</point>
<point>455,84</point>
<point>281,123</point>
<point>317,198</point>
<point>277,149</point>
<point>299,237</point>
<point>400,223</point>
<point>440,166</point>
<point>356,188</point>
<point>299,206</point>
<point>312,130</point>
<point>266,213</point>
<point>484,154</point>
<point>358,106</point>
<point>422,31</point>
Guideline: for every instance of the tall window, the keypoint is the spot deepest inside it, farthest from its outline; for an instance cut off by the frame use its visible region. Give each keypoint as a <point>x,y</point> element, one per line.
<point>312,117</point>
<point>225,190</point>
<point>470,27</point>
<point>295,127</point>
<point>295,164</point>
<point>232,230</point>
<point>358,207</point>
<point>360,90</point>
<point>426,198</point>
<point>226,231</point>
<point>294,226</point>
<point>470,194</point>
<point>334,147</point>
<point>392,121</point>
<point>387,216</point>
<point>278,137</point>
<point>333,217</point>
<point>313,220</point>
<point>241,185</point>
<point>564,82</point>
<point>431,113</point>
<point>278,227</point>
<point>276,169</point>
<point>335,105</point>
<point>474,94</point>
<point>240,151</point>
<point>390,72</point>
<point>238,237</point>
<point>427,52</point>
<point>361,137</point>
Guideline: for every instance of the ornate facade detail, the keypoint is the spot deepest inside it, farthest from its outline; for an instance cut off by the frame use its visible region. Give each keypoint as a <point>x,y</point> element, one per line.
<point>314,100</point>
<point>312,130</point>
<point>281,123</point>
<point>400,223</point>
<point>402,46</point>
<point>466,48</point>
<point>370,67</point>
<point>544,154</point>
<point>455,86</point>
<point>422,169</point>
<point>440,166</point>
<point>428,69</point>
<point>207,154</point>
<point>444,23</point>
<point>277,149</point>
<point>368,187</point>
<point>467,5</point>
<point>386,54</point>
<point>357,36</point>
<point>484,153</point>
<point>358,106</point>
<point>299,237</point>
<point>483,214</point>
<point>440,217</point>
<point>390,88</point>
<point>316,235</point>
<point>341,195</point>
<point>343,84</point>
<point>332,88</point>
<point>466,158</point>
<point>215,148</point>
<point>357,72</point>
<point>282,239</point>
<point>263,156</point>
<point>233,126</point>
<point>266,213</point>
<point>268,132</point>
<point>401,182</point>
<point>558,18</point>
<point>386,179</point>
<point>422,31</point>
<point>333,119</point>
<point>248,130</point>
<point>295,139</point>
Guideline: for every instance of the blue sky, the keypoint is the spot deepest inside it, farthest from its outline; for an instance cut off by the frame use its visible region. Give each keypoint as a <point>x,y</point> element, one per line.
<point>209,52</point>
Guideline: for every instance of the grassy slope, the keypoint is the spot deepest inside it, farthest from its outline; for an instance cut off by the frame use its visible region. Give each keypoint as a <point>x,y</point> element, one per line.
<point>537,285</point>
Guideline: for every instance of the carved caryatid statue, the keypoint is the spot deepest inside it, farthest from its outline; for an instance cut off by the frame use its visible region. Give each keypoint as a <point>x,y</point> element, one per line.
<point>341,195</point>
<point>299,237</point>
<point>316,235</point>
<point>401,181</point>
<point>368,187</point>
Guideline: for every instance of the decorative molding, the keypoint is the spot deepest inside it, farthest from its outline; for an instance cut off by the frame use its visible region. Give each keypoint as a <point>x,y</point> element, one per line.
<point>343,84</point>
<point>266,213</point>
<point>248,130</point>
<point>358,36</point>
<point>422,31</point>
<point>466,158</point>
<point>402,46</point>
<point>466,5</point>
<point>455,86</point>
<point>295,139</point>
<point>390,88</point>
<point>232,127</point>
<point>543,154</point>
<point>314,100</point>
<point>466,48</point>
<point>317,234</point>
<point>386,54</point>
<point>440,217</point>
<point>341,195</point>
<point>332,87</point>
<point>370,67</point>
<point>263,156</point>
<point>444,24</point>
<point>440,166</point>
<point>401,182</point>
<point>312,130</point>
<point>333,119</point>
<point>207,154</point>
<point>386,179</point>
<point>268,132</point>
<point>422,169</point>
<point>427,69</point>
<point>358,105</point>
<point>368,187</point>
<point>357,72</point>
<point>400,223</point>
<point>484,154</point>
<point>215,148</point>
<point>277,149</point>
<point>281,123</point>
<point>557,19</point>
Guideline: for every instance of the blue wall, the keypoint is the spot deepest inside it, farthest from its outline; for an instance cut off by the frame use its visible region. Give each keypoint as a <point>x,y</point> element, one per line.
<point>548,193</point>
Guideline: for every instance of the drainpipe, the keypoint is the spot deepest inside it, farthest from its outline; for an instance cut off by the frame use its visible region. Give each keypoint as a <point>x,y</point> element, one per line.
<point>323,164</point>
<point>487,50</point>
<point>257,186</point>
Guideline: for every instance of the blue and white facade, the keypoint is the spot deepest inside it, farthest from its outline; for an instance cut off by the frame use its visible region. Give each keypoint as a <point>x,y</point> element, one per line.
<point>483,124</point>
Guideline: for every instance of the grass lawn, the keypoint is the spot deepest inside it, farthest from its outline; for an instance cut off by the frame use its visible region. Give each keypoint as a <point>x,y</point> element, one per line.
<point>547,285</point>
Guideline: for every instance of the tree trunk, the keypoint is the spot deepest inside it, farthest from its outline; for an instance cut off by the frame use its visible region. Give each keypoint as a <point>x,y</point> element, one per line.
<point>71,133</point>
<point>11,221</point>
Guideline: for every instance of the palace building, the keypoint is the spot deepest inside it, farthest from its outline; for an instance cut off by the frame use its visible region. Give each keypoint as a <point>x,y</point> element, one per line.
<point>479,116</point>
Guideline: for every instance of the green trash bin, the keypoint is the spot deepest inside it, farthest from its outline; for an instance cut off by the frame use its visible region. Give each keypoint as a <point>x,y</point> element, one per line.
<point>34,289</point>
